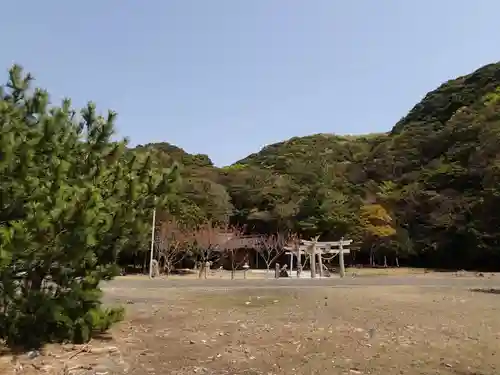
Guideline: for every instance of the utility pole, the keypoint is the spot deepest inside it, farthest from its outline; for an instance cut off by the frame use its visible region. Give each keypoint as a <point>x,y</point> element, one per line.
<point>152,244</point>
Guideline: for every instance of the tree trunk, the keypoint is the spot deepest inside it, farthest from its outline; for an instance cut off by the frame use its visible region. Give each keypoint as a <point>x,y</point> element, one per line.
<point>385,261</point>
<point>397,261</point>
<point>35,280</point>
<point>168,267</point>
<point>144,265</point>
<point>233,265</point>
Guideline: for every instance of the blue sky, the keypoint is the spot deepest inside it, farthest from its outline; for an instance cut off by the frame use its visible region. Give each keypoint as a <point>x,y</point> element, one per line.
<point>227,77</point>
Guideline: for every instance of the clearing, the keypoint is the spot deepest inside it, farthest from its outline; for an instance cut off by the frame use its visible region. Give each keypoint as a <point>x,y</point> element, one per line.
<point>416,325</point>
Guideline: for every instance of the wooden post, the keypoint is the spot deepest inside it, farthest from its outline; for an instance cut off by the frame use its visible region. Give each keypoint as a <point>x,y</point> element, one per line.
<point>277,271</point>
<point>246,266</point>
<point>341,257</point>
<point>291,263</point>
<point>207,267</point>
<point>320,264</point>
<point>313,261</point>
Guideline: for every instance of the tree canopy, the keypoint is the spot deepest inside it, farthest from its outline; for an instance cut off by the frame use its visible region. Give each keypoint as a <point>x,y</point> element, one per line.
<point>72,202</point>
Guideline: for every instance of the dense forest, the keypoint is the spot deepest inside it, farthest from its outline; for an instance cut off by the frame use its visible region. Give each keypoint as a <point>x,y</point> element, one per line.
<point>74,203</point>
<point>426,193</point>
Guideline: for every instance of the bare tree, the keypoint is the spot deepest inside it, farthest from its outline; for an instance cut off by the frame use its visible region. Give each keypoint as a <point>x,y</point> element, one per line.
<point>237,242</point>
<point>271,247</point>
<point>207,240</point>
<point>294,243</point>
<point>173,244</point>
<point>231,246</point>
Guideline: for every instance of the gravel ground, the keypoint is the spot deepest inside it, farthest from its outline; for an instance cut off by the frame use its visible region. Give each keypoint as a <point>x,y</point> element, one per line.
<point>427,324</point>
<point>431,279</point>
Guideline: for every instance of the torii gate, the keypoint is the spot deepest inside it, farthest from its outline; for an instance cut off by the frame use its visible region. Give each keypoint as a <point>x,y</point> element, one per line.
<point>314,247</point>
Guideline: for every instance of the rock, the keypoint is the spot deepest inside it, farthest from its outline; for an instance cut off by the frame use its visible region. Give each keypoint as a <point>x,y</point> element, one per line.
<point>33,354</point>
<point>109,349</point>
<point>101,370</point>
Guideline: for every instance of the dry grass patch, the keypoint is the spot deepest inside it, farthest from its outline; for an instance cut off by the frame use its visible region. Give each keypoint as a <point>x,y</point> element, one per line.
<point>323,330</point>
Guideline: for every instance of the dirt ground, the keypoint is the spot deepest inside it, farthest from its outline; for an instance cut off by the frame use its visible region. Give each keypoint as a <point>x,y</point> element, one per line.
<point>262,274</point>
<point>351,329</point>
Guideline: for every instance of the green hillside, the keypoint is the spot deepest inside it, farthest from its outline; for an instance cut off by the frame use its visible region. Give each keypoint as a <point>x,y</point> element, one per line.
<point>444,157</point>
<point>435,173</point>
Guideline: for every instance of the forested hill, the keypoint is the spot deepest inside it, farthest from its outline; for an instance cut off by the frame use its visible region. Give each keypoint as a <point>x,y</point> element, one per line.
<point>74,203</point>
<point>435,174</point>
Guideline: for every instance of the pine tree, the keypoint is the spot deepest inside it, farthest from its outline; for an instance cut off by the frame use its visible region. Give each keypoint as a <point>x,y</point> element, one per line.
<point>71,199</point>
